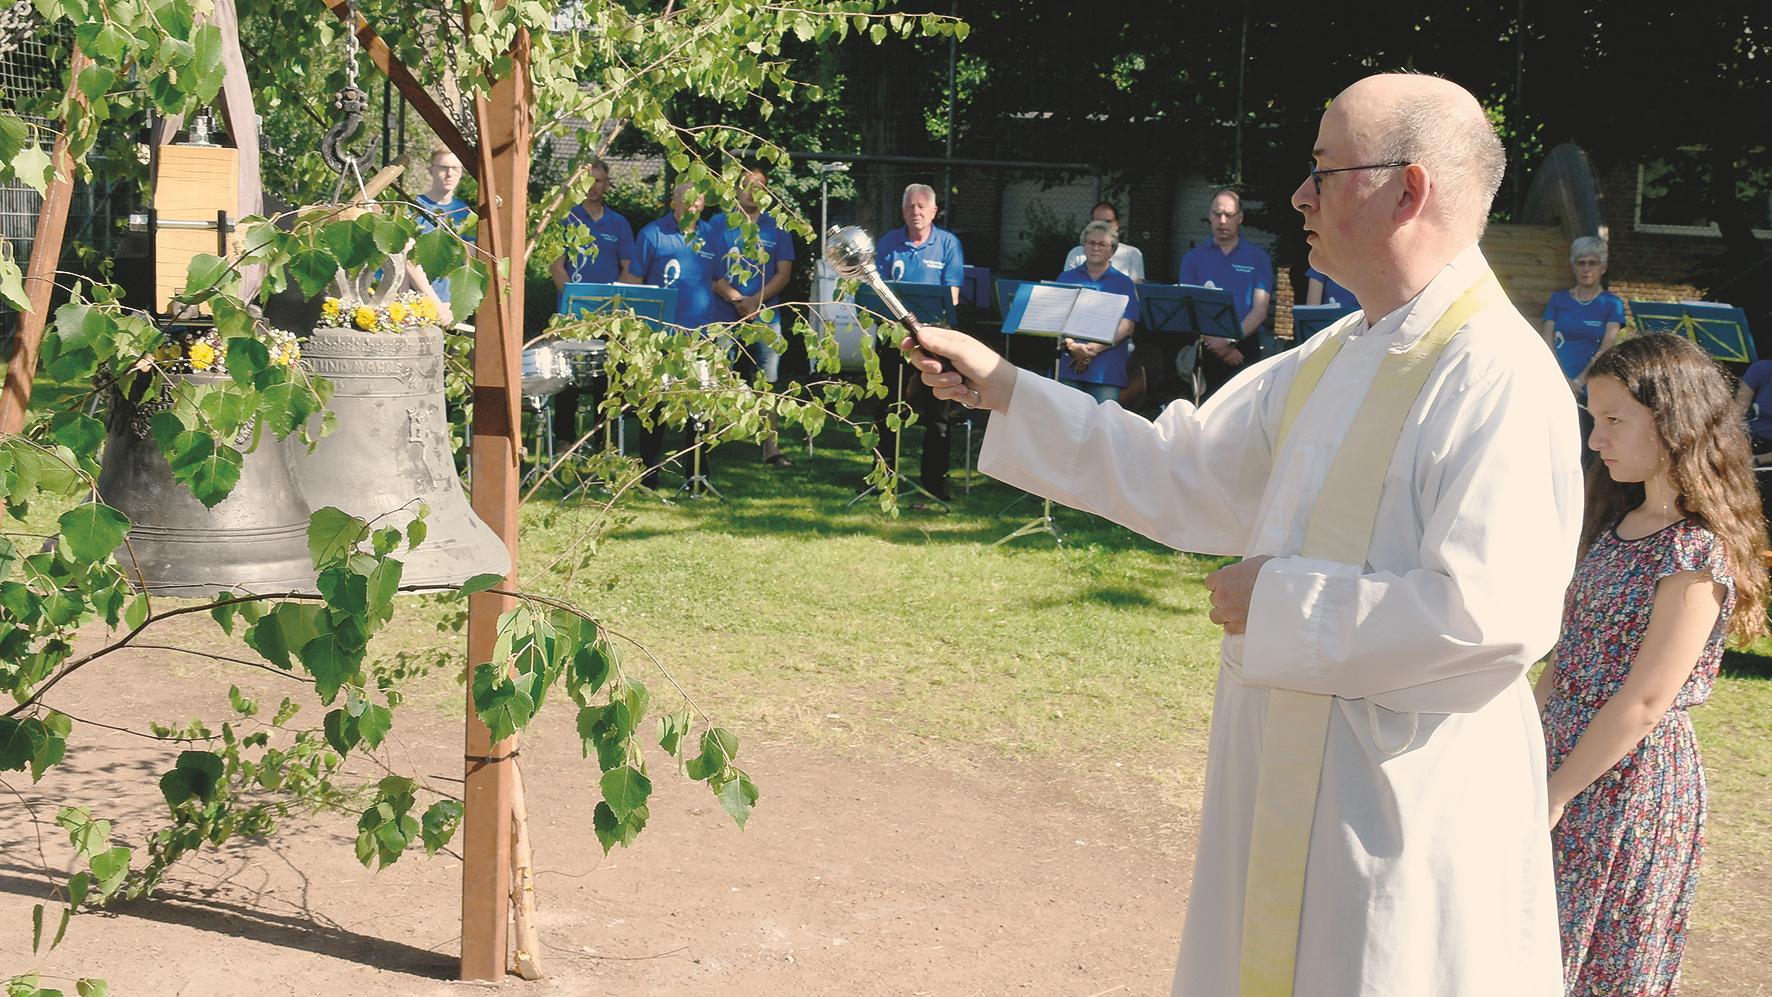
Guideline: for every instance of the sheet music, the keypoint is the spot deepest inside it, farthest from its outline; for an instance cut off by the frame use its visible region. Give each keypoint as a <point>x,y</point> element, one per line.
<point>1096,315</point>
<point>1048,309</point>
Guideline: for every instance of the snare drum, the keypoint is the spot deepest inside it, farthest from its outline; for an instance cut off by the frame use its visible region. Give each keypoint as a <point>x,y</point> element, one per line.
<point>543,374</point>
<point>585,360</point>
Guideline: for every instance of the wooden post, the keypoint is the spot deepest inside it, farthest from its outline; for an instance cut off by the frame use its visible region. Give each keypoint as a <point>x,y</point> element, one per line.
<point>505,128</point>
<point>46,251</point>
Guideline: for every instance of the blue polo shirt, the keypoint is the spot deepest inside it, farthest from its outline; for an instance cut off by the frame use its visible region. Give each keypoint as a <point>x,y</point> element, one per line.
<point>937,260</point>
<point>1110,366</point>
<point>455,213</point>
<point>1758,378</point>
<point>1579,328</point>
<point>742,270</point>
<point>614,239</point>
<point>1333,293</point>
<point>664,256</point>
<point>1241,271</point>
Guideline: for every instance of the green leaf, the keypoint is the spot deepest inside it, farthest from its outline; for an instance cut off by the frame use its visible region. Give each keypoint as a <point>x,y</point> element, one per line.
<point>78,884</point>
<point>738,797</point>
<point>467,285</point>
<point>333,534</point>
<point>224,615</point>
<point>36,927</point>
<point>137,613</point>
<point>12,285</point>
<point>313,269</point>
<point>246,358</point>
<point>504,708</point>
<point>90,532</point>
<point>352,244</point>
<point>89,987</point>
<point>196,775</point>
<point>33,168</point>
<point>95,81</point>
<point>341,731</point>
<point>61,928</point>
<point>108,870</point>
<point>439,825</point>
<point>416,531</point>
<point>78,432</point>
<point>438,251</point>
<point>671,728</point>
<point>625,788</point>
<point>283,631</point>
<point>612,830</point>
<point>210,471</point>
<point>480,583</point>
<point>374,724</point>
<point>206,270</point>
<point>332,659</point>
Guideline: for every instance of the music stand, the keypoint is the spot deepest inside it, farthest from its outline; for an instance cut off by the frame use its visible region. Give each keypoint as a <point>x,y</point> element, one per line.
<point>656,305</point>
<point>1720,330</point>
<point>1184,313</point>
<point>975,287</point>
<point>1308,320</point>
<point>1015,304</point>
<point>932,304</point>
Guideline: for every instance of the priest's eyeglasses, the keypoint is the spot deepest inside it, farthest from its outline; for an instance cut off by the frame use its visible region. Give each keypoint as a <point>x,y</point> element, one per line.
<point>1317,174</point>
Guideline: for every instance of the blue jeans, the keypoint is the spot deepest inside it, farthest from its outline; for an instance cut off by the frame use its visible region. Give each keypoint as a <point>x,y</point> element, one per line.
<point>1099,392</point>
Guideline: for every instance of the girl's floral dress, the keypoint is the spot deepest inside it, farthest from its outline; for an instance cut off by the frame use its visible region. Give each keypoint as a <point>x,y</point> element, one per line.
<point>1628,847</point>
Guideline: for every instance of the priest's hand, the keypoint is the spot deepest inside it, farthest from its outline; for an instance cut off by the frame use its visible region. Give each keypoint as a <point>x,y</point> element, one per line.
<point>1231,588</point>
<point>981,378</point>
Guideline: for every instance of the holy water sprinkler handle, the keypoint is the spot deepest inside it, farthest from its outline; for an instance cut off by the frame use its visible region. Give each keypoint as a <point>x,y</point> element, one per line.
<point>850,252</point>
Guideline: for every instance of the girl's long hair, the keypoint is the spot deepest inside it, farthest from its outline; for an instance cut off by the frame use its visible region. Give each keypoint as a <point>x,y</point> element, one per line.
<point>1712,462</point>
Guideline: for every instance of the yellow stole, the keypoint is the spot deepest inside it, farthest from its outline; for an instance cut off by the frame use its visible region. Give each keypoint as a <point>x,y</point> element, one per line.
<point>1297,724</point>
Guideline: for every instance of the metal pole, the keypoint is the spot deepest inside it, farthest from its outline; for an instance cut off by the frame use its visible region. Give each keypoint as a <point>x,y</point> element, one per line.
<point>1242,64</point>
<point>947,170</point>
<point>505,132</point>
<point>1517,113</point>
<point>46,251</point>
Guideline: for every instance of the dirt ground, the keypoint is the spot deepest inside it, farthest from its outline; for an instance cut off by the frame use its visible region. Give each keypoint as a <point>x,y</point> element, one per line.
<point>864,870</point>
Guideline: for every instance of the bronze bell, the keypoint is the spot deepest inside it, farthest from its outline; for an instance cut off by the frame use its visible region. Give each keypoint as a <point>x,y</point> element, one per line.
<point>255,540</point>
<point>389,450</point>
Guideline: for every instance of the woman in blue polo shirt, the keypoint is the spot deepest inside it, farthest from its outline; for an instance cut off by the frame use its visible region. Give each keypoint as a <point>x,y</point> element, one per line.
<point>1585,319</point>
<point>1100,368</point>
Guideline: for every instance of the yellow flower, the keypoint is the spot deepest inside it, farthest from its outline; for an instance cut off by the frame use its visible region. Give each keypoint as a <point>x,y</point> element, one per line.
<point>396,312</point>
<point>202,356</point>
<point>364,318</point>
<point>329,309</point>
<point>286,356</point>
<point>425,309</point>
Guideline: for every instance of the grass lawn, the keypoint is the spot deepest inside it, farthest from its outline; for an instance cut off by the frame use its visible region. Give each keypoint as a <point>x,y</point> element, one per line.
<point>788,614</point>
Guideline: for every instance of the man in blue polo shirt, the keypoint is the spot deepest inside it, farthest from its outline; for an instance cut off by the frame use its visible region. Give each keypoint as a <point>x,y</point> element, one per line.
<point>755,270</point>
<point>919,253</point>
<point>1241,268</point>
<point>440,206</point>
<point>1100,368</point>
<point>681,251</point>
<point>599,250</point>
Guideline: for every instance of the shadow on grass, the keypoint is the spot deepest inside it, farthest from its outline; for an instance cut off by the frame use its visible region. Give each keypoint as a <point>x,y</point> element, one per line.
<point>1746,664</point>
<point>813,498</point>
<point>290,931</point>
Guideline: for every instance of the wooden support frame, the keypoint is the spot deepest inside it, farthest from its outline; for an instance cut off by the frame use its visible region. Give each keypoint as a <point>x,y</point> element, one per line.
<point>46,251</point>
<point>506,125</point>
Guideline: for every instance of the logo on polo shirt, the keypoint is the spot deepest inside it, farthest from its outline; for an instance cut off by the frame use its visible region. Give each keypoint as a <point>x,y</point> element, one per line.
<point>898,268</point>
<point>672,270</point>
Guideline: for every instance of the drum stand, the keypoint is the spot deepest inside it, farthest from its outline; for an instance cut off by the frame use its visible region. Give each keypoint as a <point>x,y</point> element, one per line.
<point>897,452</point>
<point>697,485</point>
<point>1042,523</point>
<point>542,407</point>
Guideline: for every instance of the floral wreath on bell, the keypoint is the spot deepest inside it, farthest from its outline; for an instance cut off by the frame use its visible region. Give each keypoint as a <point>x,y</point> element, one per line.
<point>404,312</point>
<point>207,352</point>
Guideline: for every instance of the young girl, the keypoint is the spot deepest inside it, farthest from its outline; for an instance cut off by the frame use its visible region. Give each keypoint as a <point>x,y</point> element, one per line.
<point>1670,566</point>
